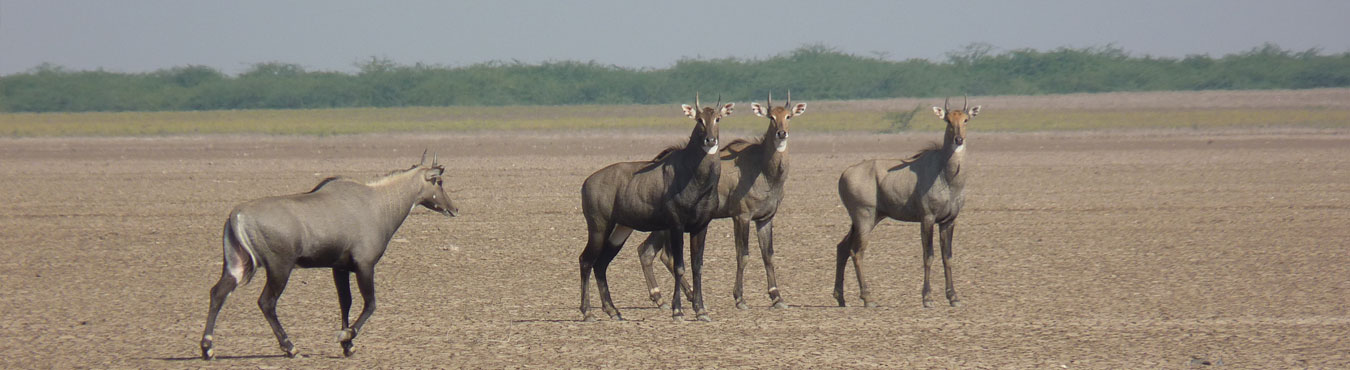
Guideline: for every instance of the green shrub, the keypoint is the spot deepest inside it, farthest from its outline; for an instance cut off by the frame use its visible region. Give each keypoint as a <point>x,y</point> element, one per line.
<point>815,72</point>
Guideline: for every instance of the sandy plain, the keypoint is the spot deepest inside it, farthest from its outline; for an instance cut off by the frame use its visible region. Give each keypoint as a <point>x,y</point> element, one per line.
<point>1094,249</point>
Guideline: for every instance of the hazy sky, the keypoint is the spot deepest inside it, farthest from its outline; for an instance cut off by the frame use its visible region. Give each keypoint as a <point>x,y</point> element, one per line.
<point>333,35</point>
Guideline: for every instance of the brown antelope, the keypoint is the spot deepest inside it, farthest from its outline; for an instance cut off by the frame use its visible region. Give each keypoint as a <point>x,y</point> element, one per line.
<point>340,224</point>
<point>925,188</point>
<point>676,192</point>
<point>750,189</point>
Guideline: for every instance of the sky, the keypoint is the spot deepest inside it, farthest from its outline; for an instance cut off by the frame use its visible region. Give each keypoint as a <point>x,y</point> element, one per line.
<point>335,35</point>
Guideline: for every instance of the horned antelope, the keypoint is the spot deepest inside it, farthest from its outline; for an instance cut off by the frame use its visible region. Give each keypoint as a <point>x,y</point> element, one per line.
<point>749,189</point>
<point>341,224</point>
<point>675,192</point>
<point>925,188</point>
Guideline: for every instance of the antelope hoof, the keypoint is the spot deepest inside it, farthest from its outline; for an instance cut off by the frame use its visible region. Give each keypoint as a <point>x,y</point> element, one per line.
<point>956,303</point>
<point>780,305</point>
<point>703,317</point>
<point>927,303</point>
<point>348,349</point>
<point>839,297</point>
<point>870,304</point>
<point>616,317</point>
<point>587,317</point>
<point>742,306</point>
<point>289,349</point>
<point>346,335</point>
<point>207,352</point>
<point>677,316</point>
<point>664,306</point>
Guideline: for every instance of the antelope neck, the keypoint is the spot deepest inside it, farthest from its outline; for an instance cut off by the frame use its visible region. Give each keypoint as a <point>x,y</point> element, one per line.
<point>775,160</point>
<point>953,155</point>
<point>397,195</point>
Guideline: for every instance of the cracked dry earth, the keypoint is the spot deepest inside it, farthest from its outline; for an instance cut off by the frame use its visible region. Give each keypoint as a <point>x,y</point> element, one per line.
<point>1163,249</point>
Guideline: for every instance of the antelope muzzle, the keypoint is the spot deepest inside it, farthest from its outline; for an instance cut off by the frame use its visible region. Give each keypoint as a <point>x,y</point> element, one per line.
<point>710,145</point>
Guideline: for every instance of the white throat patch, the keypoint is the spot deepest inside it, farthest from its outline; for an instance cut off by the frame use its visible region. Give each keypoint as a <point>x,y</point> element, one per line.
<point>712,150</point>
<point>782,146</point>
<point>960,148</point>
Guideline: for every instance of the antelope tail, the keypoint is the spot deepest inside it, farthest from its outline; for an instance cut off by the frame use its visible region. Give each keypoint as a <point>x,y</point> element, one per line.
<point>240,259</point>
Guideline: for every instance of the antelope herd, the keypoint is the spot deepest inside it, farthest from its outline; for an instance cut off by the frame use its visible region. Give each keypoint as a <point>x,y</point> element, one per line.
<point>346,225</point>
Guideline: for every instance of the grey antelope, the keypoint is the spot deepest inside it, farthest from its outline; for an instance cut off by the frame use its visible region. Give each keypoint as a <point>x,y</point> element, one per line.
<point>341,224</point>
<point>675,192</point>
<point>750,189</point>
<point>925,188</point>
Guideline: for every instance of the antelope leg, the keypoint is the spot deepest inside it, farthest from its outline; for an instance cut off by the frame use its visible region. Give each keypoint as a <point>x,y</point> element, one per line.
<point>765,231</point>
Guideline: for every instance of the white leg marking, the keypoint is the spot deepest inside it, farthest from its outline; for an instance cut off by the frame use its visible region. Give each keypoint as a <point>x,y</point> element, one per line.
<point>248,247</point>
<point>232,263</point>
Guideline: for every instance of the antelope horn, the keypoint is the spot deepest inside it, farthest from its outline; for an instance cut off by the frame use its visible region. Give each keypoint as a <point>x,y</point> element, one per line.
<point>965,102</point>
<point>696,106</point>
<point>424,158</point>
<point>769,103</point>
<point>433,159</point>
<point>789,101</point>
<point>718,106</point>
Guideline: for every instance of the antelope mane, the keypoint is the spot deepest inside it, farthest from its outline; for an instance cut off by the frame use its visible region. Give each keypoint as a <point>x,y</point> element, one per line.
<point>324,182</point>
<point>933,147</point>
<point>391,176</point>
<point>673,148</point>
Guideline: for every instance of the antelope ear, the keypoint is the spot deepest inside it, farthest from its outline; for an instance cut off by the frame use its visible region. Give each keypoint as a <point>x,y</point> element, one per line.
<point>689,111</point>
<point>726,109</point>
<point>973,111</point>
<point>940,112</point>
<point>799,109</point>
<point>757,109</point>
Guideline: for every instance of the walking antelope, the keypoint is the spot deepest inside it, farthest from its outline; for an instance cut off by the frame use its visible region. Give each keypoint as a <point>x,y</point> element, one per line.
<point>340,224</point>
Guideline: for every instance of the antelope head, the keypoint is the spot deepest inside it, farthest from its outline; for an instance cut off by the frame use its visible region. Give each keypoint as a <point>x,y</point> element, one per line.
<point>432,196</point>
<point>956,122</point>
<point>778,119</point>
<point>705,120</point>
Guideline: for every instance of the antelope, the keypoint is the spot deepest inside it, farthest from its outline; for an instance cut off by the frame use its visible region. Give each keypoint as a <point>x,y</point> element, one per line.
<point>676,192</point>
<point>925,188</point>
<point>341,224</point>
<point>749,189</point>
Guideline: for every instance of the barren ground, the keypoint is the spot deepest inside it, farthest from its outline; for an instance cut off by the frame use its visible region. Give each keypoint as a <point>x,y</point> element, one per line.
<point>1101,250</point>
